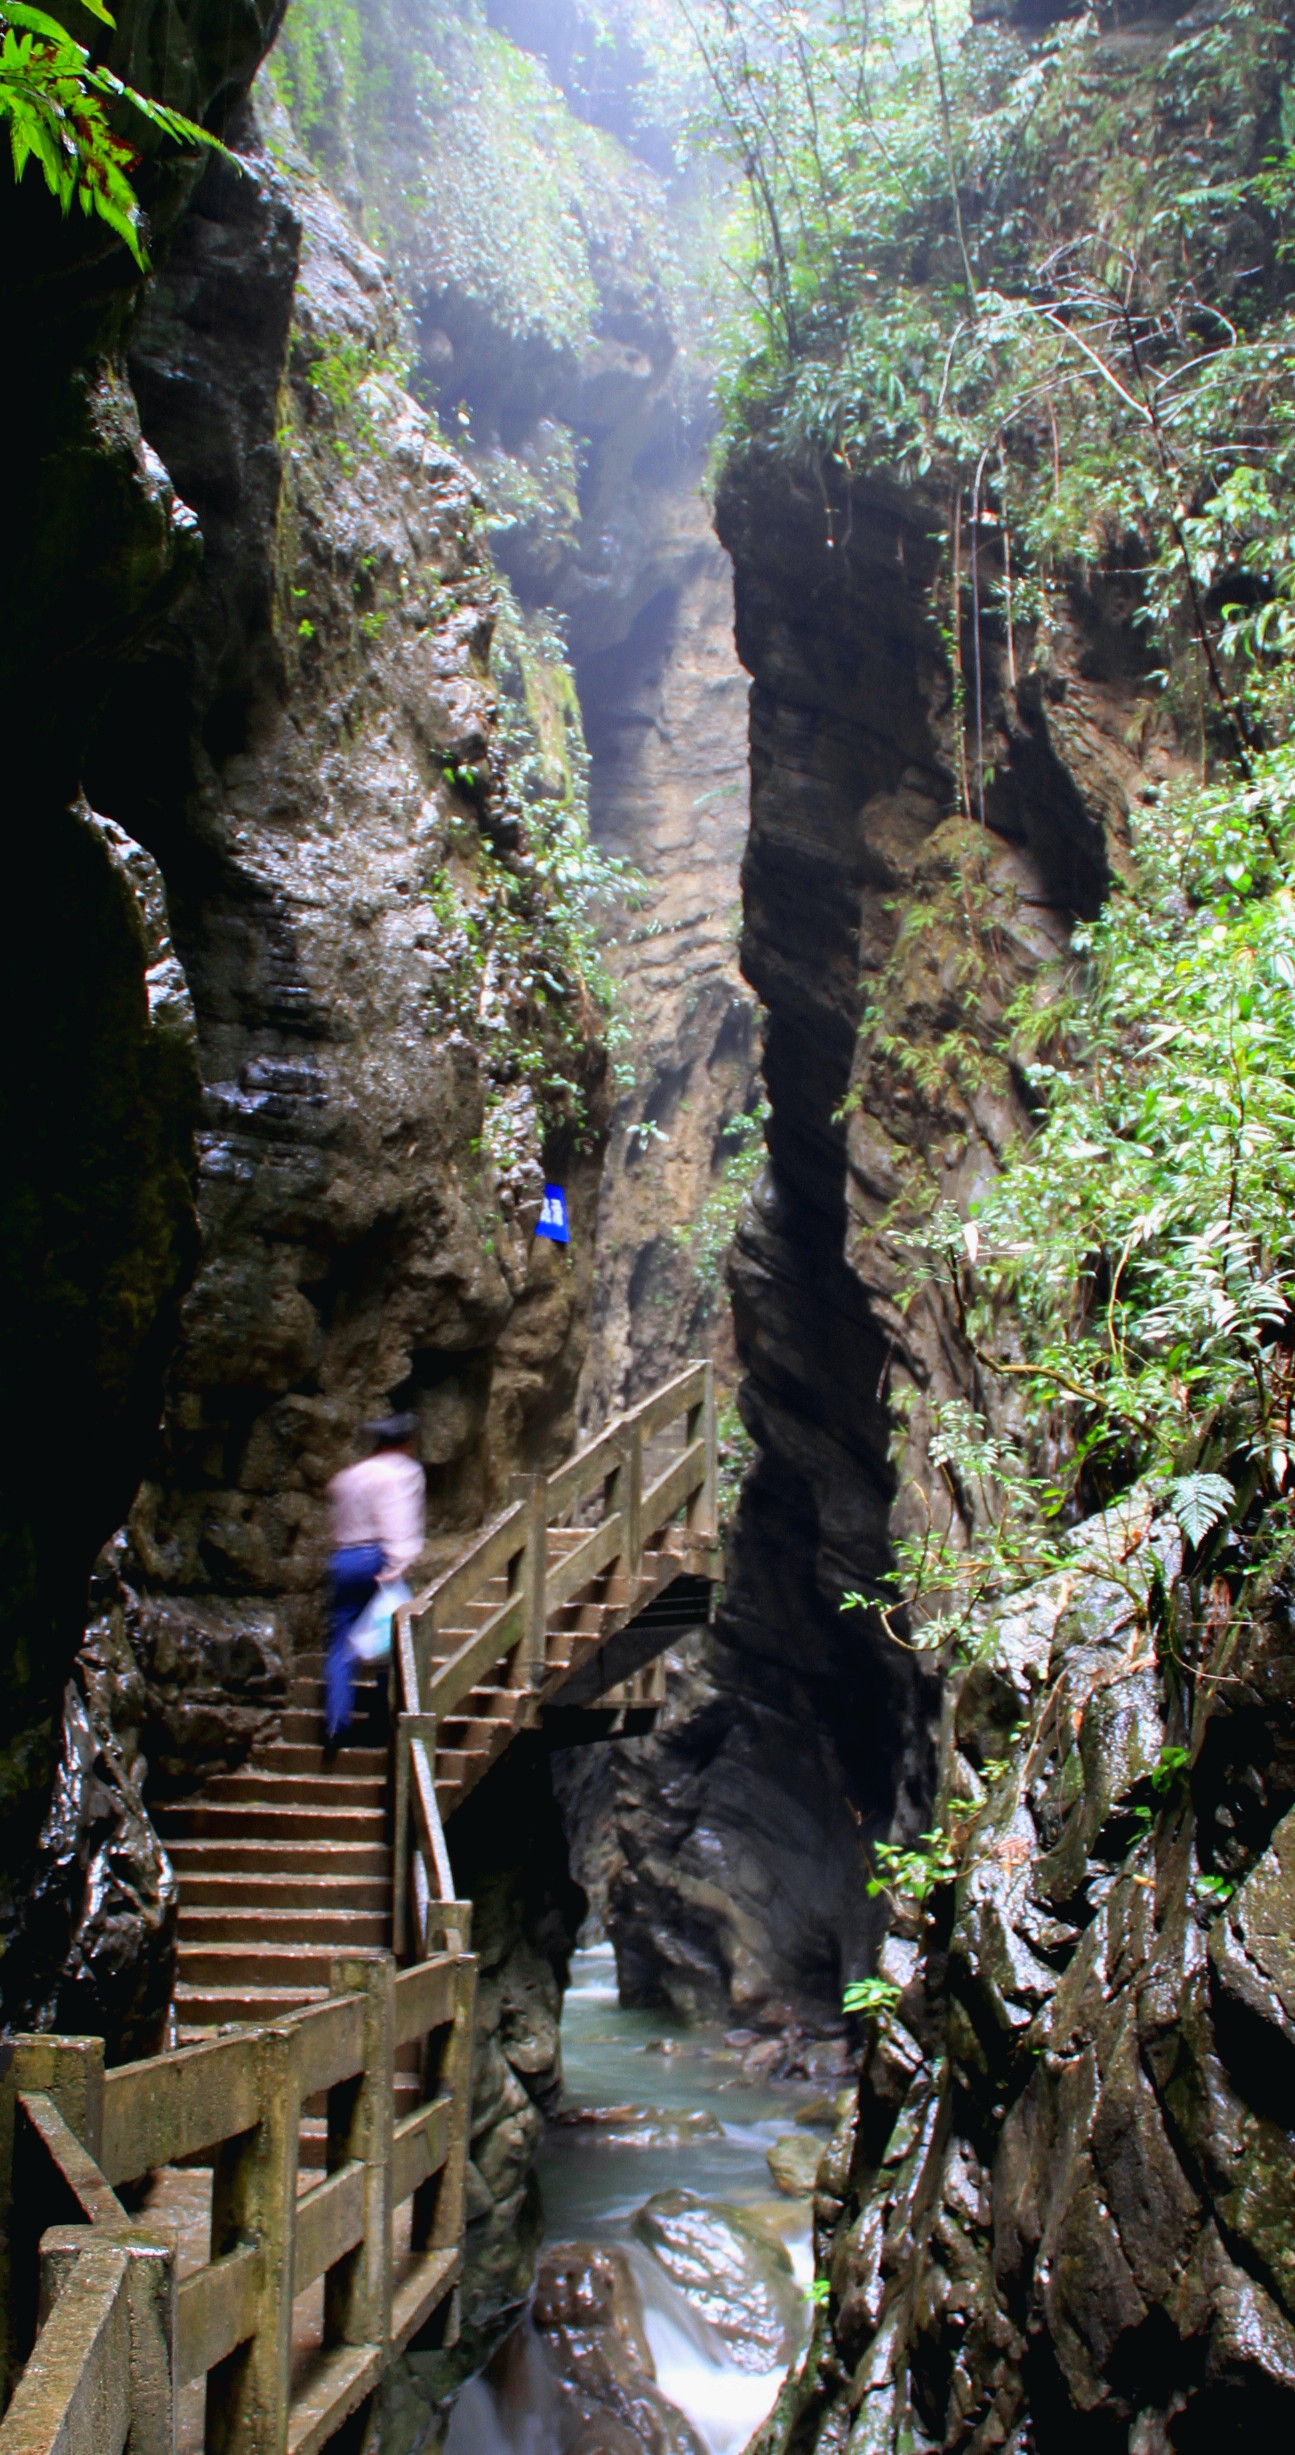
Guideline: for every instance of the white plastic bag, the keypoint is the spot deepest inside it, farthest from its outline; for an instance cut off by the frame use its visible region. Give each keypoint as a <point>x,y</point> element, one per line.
<point>371,1635</point>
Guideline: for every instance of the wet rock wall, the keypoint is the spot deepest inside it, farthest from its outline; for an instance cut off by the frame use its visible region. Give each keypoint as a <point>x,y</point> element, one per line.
<point>308,745</point>
<point>1056,2217</point>
<point>736,1871</point>
<point>326,794</point>
<point>97,1227</point>
<point>665,715</point>
<point>558,274</point>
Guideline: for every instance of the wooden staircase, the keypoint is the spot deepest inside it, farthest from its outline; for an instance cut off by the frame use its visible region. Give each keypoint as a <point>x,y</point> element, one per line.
<point>279,1868</point>
<point>477,1733</point>
<point>302,1857</point>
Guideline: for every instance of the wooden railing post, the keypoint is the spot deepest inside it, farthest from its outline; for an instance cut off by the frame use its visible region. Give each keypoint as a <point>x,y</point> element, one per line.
<point>703,1515</point>
<point>437,2214</point>
<point>632,1509</point>
<point>401,1842</point>
<point>450,1927</point>
<point>69,2070</point>
<point>74,2396</point>
<point>357,2291</point>
<point>533,1489</point>
<point>69,2256</point>
<point>254,2200</point>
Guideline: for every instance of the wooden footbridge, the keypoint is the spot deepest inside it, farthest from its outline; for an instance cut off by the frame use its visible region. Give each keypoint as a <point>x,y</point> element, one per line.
<point>223,2247</point>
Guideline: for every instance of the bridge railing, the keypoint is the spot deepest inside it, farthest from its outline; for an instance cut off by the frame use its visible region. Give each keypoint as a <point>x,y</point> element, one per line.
<point>103,2350</point>
<point>635,1495</point>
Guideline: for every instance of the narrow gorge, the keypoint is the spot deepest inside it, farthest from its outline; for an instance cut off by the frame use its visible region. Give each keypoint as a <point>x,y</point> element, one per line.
<point>647,651</point>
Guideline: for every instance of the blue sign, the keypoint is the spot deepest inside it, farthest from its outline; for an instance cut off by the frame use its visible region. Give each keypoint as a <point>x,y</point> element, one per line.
<point>553,1216</point>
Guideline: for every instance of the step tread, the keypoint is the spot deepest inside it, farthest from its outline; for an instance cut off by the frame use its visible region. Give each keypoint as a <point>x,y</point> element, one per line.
<point>273,1892</point>
<point>367,1861</point>
<point>298,1756</point>
<point>244,2005</point>
<point>267,1786</point>
<point>230,1815</point>
<point>205,1923</point>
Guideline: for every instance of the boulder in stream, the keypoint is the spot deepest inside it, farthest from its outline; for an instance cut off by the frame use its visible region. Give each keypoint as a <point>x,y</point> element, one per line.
<point>632,2126</point>
<point>589,2319</point>
<point>734,2271</point>
<point>793,2162</point>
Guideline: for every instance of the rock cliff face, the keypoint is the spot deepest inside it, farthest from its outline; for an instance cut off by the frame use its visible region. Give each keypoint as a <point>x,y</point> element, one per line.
<point>589,439</point>
<point>1058,2215</point>
<point>309,746</point>
<point>665,715</point>
<point>557,284</point>
<point>96,1225</point>
<point>350,887</point>
<point>808,1729</point>
<point>535,243</point>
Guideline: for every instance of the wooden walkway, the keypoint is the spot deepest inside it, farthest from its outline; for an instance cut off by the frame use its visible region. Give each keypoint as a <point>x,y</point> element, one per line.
<point>319,2102</point>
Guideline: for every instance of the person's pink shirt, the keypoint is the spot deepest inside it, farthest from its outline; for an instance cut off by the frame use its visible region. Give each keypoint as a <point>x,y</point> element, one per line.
<point>382,1500</point>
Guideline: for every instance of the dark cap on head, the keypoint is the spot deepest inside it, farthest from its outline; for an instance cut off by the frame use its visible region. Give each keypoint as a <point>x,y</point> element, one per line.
<point>392,1431</point>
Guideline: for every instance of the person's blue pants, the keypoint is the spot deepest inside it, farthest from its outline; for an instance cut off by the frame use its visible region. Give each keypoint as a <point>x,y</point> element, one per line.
<point>353,1577</point>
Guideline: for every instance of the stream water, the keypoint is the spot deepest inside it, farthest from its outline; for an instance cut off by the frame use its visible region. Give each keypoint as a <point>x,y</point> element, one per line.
<point>676,2112</point>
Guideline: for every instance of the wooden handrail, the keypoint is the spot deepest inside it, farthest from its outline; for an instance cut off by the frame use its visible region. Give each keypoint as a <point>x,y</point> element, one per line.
<point>118,2340</point>
<point>438,1660</point>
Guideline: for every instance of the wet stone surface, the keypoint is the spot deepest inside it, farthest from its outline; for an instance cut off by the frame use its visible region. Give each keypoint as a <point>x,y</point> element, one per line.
<point>732,2268</point>
<point>1059,2214</point>
<point>671,2294</point>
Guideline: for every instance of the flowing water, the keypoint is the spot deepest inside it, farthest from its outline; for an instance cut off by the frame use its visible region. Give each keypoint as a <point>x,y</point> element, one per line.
<point>711,2140</point>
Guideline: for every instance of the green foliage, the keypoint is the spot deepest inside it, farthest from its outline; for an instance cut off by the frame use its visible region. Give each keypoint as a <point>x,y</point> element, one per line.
<point>913,1875</point>
<point>1168,1780</point>
<point>945,1579</point>
<point>343,377</point>
<point>60,108</point>
<point>546,908</point>
<point>1131,1272</point>
<point>735,1453</point>
<point>1050,279</point>
<point>871,1998</point>
<point>707,1238</point>
<point>1213,1891</point>
<point>473,175</point>
<point>533,495</point>
<point>1144,1236</point>
<point>320,71</point>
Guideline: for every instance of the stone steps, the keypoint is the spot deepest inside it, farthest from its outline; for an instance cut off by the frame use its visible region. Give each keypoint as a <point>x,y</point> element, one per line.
<point>204,1819</point>
<point>303,1757</point>
<point>307,1891</point>
<point>281,1867</point>
<point>274,1967</point>
<point>231,1852</point>
<point>286,1863</point>
<point>200,2008</point>
<point>266,1783</point>
<point>341,1926</point>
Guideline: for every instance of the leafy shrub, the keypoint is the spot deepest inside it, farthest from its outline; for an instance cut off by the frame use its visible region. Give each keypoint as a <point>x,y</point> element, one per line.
<point>1134,1266</point>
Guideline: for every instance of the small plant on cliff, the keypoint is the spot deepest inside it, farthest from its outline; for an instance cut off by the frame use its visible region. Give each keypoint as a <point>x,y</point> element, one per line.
<point>735,1456</point>
<point>913,1875</point>
<point>988,1525</point>
<point>706,1240</point>
<point>871,1998</point>
<point>60,106</point>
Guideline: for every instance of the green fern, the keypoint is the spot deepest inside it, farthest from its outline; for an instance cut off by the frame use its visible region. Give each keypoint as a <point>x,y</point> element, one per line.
<point>56,102</point>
